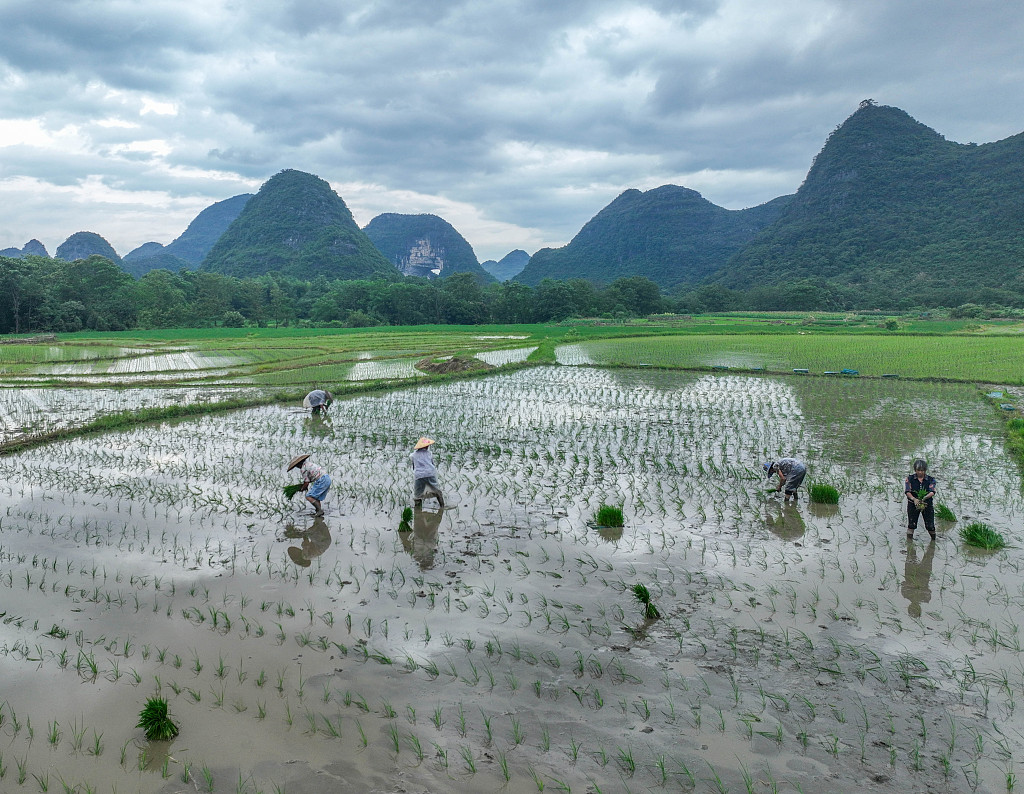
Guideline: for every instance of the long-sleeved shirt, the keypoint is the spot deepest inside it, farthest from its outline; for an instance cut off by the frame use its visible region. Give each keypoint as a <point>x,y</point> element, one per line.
<point>311,472</point>
<point>423,463</point>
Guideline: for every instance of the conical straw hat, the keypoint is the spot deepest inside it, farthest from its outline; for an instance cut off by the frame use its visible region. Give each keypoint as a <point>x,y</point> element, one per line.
<point>424,442</point>
<point>297,461</point>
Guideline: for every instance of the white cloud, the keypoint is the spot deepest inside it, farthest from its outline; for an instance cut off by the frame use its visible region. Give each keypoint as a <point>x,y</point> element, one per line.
<point>516,120</point>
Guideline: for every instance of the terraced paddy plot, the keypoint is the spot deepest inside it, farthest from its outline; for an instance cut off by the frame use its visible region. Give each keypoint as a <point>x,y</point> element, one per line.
<point>983,358</point>
<point>30,411</point>
<point>386,370</point>
<point>501,645</point>
<point>499,358</point>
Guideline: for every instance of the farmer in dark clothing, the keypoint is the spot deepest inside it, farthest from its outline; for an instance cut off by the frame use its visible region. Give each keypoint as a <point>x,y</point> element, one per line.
<point>920,491</point>
<point>791,473</point>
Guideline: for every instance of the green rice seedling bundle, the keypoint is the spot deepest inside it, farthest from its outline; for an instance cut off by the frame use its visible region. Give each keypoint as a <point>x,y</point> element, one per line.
<point>155,720</point>
<point>944,513</point>
<point>643,595</point>
<point>824,494</point>
<point>982,536</point>
<point>609,516</point>
<point>291,490</point>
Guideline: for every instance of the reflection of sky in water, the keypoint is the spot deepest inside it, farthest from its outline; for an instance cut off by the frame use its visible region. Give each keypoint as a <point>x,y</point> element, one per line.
<point>572,355</point>
<point>372,370</point>
<point>38,410</point>
<point>497,358</point>
<point>181,361</point>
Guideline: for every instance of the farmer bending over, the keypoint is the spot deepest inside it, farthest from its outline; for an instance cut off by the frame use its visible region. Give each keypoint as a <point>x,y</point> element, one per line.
<point>791,473</point>
<point>315,481</point>
<point>920,491</point>
<point>424,474</point>
<point>318,401</point>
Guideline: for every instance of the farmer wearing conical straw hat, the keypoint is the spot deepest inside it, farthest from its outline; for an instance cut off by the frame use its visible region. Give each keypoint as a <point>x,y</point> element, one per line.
<point>315,481</point>
<point>424,473</point>
<point>318,401</point>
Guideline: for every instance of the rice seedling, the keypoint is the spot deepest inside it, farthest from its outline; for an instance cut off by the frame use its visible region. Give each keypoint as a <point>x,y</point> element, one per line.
<point>823,493</point>
<point>609,516</point>
<point>643,596</point>
<point>982,536</point>
<point>155,721</point>
<point>943,513</point>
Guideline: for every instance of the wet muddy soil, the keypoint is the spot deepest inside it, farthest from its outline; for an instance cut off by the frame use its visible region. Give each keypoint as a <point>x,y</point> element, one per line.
<point>497,645</point>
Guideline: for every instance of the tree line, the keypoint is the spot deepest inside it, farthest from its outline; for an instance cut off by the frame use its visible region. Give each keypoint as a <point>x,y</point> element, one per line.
<point>40,294</point>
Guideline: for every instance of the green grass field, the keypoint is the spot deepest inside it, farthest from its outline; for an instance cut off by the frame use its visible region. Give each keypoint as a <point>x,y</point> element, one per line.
<point>988,359</point>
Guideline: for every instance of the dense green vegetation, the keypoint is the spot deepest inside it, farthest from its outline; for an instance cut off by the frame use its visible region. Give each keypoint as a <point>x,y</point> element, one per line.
<point>82,245</point>
<point>188,250</point>
<point>893,215</point>
<point>671,235</point>
<point>39,294</point>
<point>992,359</point>
<point>296,226</point>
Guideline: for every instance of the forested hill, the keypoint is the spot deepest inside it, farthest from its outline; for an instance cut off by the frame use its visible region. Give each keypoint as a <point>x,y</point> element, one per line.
<point>297,226</point>
<point>82,245</point>
<point>889,207</point>
<point>508,266</point>
<point>188,250</point>
<point>424,245</point>
<point>671,235</point>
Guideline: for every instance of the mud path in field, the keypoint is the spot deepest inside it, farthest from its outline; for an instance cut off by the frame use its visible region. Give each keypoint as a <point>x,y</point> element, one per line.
<point>497,645</point>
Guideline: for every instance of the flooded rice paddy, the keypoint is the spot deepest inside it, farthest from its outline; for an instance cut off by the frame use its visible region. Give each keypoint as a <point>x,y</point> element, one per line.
<point>497,645</point>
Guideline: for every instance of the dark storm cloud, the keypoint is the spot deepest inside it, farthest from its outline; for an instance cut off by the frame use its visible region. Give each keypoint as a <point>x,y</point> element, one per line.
<point>514,114</point>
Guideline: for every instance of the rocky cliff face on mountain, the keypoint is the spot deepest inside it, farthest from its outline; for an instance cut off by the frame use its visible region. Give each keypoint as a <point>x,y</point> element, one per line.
<point>82,245</point>
<point>670,234</point>
<point>508,266</point>
<point>424,245</point>
<point>298,226</point>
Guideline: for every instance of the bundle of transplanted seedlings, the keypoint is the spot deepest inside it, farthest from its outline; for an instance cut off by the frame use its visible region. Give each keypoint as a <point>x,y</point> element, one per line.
<point>982,536</point>
<point>291,490</point>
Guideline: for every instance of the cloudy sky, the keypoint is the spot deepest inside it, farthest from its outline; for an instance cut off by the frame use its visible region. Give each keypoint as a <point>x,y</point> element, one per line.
<point>515,120</point>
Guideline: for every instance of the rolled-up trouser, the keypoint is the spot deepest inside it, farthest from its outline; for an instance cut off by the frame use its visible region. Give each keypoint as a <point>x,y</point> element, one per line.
<point>929,515</point>
<point>793,480</point>
<point>425,487</point>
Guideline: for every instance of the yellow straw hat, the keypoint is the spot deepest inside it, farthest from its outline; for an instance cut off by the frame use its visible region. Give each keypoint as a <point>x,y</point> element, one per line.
<point>297,461</point>
<point>424,442</point>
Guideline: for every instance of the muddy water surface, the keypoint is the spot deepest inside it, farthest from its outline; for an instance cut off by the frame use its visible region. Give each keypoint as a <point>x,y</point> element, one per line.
<point>496,645</point>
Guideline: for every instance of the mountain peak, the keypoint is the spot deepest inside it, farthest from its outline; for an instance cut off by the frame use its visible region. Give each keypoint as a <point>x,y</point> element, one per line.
<point>296,225</point>
<point>82,245</point>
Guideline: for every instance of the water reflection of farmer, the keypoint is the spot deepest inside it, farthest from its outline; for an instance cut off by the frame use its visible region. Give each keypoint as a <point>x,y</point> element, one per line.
<point>314,542</point>
<point>916,577</point>
<point>421,543</point>
<point>317,402</point>
<point>786,522</point>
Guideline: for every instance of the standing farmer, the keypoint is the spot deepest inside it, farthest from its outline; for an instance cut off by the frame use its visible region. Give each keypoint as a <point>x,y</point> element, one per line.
<point>315,481</point>
<point>791,473</point>
<point>318,401</point>
<point>424,473</point>
<point>920,491</point>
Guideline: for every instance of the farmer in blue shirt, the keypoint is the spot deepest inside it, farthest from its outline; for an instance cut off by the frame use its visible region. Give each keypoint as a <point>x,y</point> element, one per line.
<point>424,474</point>
<point>920,491</point>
